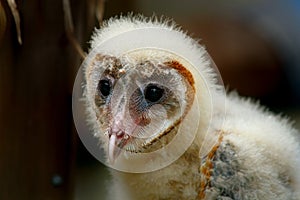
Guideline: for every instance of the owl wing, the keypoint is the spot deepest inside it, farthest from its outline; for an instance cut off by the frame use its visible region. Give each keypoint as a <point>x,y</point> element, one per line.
<point>256,156</point>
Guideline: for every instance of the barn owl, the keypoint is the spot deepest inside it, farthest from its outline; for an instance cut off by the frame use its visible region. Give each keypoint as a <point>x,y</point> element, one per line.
<point>162,121</point>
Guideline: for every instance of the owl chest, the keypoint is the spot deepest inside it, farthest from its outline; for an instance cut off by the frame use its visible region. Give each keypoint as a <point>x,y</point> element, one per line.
<point>223,176</point>
<point>180,180</point>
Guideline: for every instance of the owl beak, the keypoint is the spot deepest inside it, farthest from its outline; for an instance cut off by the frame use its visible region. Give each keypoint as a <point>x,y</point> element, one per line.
<point>117,140</point>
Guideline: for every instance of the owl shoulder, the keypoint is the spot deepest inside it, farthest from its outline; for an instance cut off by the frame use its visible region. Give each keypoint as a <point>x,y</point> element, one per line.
<point>263,146</point>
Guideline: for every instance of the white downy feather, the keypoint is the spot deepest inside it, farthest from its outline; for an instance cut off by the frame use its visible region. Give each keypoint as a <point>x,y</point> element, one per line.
<point>266,146</point>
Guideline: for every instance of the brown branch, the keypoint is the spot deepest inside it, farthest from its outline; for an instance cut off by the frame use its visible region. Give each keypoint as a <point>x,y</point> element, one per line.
<point>70,28</point>
<point>13,7</point>
<point>100,11</point>
<point>2,21</point>
<point>97,9</point>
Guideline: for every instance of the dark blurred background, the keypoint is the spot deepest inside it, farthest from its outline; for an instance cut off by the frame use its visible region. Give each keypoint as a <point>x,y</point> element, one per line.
<point>255,44</point>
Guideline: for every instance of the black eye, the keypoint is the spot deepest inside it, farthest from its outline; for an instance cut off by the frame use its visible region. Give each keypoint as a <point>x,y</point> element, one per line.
<point>153,93</point>
<point>104,87</point>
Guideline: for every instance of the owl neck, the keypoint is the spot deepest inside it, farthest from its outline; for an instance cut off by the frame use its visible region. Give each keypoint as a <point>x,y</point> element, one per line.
<point>166,182</point>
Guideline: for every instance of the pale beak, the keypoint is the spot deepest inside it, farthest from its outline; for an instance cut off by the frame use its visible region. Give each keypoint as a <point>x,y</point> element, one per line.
<point>117,140</point>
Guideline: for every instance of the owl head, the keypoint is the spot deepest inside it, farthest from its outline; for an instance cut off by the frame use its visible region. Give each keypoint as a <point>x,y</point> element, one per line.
<point>148,92</point>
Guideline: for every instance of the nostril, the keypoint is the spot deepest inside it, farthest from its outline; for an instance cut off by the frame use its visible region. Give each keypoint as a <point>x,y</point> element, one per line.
<point>120,134</point>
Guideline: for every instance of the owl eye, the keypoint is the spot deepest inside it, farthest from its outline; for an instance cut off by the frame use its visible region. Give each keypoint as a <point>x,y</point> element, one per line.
<point>153,93</point>
<point>104,87</point>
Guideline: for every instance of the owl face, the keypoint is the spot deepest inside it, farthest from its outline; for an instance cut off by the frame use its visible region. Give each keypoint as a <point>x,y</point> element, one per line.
<point>149,92</point>
<point>139,100</point>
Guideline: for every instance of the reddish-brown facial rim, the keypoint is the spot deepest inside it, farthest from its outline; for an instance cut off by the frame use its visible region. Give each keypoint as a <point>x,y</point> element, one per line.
<point>183,71</point>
